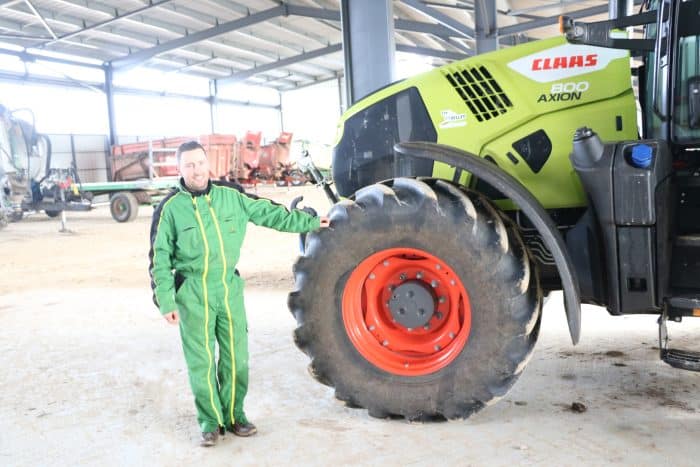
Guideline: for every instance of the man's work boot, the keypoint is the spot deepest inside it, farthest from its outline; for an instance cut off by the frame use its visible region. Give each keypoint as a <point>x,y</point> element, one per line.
<point>244,429</point>
<point>209,439</point>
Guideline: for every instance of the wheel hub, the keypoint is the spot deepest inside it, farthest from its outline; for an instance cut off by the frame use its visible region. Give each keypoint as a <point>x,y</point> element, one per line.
<point>406,311</point>
<point>412,304</point>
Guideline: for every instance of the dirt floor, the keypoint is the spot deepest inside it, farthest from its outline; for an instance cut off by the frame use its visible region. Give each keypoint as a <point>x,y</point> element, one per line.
<point>92,375</point>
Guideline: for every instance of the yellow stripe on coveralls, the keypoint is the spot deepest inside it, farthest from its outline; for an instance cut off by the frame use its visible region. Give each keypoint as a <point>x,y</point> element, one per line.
<point>228,311</point>
<point>206,309</point>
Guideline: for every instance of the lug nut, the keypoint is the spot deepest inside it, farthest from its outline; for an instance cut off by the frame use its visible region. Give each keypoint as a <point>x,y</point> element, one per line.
<point>438,315</point>
<point>371,328</point>
<point>433,283</point>
<point>427,326</point>
<point>438,267</point>
<point>452,335</point>
<point>437,347</point>
<point>385,343</point>
<point>372,276</point>
<point>386,263</point>
<point>402,276</point>
<point>452,282</point>
<point>442,299</point>
<point>419,275</point>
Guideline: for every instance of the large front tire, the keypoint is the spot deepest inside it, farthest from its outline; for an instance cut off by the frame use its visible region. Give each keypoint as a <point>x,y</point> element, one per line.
<point>441,242</point>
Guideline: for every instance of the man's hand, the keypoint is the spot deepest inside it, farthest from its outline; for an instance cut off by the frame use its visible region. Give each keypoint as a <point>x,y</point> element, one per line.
<point>172,317</point>
<point>325,222</point>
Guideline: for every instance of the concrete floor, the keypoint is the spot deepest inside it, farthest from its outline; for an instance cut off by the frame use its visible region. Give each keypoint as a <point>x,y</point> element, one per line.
<point>92,375</point>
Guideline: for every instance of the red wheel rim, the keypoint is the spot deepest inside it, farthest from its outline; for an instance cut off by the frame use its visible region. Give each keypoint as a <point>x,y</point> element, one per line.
<point>387,344</point>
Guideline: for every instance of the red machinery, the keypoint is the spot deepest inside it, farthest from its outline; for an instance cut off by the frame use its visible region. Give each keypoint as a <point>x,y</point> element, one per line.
<point>246,161</point>
<point>267,164</point>
<point>156,158</point>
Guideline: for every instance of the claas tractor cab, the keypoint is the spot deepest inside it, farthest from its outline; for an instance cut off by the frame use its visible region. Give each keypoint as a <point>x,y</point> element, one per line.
<point>472,191</point>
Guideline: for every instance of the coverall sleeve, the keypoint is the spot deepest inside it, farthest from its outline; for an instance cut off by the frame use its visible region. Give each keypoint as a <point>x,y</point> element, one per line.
<point>161,260</point>
<point>265,213</point>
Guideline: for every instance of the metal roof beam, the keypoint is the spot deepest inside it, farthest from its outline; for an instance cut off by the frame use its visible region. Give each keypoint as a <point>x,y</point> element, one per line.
<point>424,28</point>
<point>399,24</point>
<point>315,13</point>
<point>41,18</point>
<point>22,37</point>
<point>143,55</point>
<point>29,57</point>
<point>146,41</point>
<point>431,52</point>
<point>14,77</point>
<point>443,19</point>
<point>66,22</point>
<point>547,21</point>
<point>188,14</point>
<point>106,22</point>
<point>313,83</point>
<point>242,75</point>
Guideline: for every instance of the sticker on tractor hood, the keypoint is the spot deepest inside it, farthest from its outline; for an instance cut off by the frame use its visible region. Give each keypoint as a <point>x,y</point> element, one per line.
<point>565,61</point>
<point>452,119</point>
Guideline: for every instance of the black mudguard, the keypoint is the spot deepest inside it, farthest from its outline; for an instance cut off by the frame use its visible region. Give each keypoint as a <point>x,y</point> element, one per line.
<point>514,190</point>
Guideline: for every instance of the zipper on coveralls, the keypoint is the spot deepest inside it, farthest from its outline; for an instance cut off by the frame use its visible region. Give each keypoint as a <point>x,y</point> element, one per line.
<point>228,309</point>
<point>206,308</point>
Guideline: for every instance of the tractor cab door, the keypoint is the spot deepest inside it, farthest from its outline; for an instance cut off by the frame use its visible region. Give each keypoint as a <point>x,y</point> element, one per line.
<point>671,92</point>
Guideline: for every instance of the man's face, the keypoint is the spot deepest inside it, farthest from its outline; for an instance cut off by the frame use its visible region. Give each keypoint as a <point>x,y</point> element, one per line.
<point>194,168</point>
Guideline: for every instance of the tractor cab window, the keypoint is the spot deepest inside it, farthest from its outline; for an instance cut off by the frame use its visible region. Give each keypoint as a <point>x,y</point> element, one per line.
<point>667,105</point>
<point>656,84</point>
<point>685,112</point>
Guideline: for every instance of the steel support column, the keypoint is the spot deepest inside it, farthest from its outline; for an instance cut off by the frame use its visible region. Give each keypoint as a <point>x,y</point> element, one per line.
<point>618,8</point>
<point>485,27</point>
<point>368,45</point>
<point>341,106</point>
<point>213,93</point>
<point>281,112</point>
<point>110,104</point>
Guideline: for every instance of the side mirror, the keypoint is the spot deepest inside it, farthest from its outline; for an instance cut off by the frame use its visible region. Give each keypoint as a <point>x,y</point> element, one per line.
<point>694,102</point>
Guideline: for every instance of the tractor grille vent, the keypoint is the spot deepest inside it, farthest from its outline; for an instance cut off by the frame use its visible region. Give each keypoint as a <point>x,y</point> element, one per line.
<point>480,92</point>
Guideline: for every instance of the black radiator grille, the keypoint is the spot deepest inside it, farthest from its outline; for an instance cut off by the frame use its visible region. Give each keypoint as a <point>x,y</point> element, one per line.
<point>482,94</point>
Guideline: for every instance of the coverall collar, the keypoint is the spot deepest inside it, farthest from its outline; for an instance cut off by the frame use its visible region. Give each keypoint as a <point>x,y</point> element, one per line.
<point>194,193</point>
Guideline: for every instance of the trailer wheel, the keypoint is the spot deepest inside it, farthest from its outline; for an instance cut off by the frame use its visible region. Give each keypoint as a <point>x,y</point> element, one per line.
<point>124,206</point>
<point>421,301</point>
<point>51,213</point>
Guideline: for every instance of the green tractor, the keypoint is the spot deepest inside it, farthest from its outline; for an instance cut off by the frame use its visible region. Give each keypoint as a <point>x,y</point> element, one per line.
<point>474,190</point>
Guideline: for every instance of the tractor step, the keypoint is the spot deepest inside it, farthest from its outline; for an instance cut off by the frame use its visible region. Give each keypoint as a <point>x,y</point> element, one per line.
<point>691,240</point>
<point>683,359</point>
<point>677,358</point>
<point>689,301</point>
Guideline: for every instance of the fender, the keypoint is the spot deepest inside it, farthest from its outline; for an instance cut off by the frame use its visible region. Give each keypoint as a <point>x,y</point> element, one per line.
<point>513,189</point>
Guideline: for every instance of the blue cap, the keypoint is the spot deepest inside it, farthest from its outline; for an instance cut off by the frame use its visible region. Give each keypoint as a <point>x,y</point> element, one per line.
<point>641,156</point>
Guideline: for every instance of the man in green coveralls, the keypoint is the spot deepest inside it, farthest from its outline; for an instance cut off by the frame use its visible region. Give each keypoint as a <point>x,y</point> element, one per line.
<point>196,237</point>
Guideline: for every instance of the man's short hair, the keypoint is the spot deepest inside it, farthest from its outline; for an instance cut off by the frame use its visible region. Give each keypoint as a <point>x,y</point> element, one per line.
<point>188,146</point>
